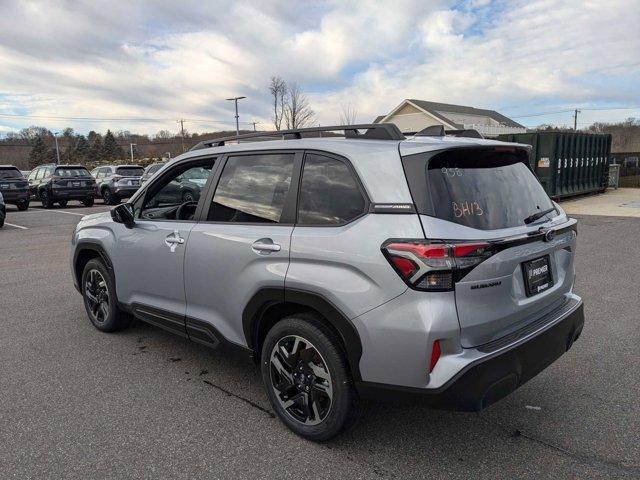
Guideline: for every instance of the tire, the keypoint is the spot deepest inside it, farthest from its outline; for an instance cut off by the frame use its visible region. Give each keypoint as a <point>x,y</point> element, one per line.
<point>63,203</point>
<point>98,288</point>
<point>88,202</point>
<point>45,198</point>
<point>188,197</point>
<point>109,198</point>
<point>22,206</point>
<point>320,371</point>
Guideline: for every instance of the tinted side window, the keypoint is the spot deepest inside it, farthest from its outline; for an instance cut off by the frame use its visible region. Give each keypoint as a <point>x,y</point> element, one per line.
<point>329,194</point>
<point>252,188</point>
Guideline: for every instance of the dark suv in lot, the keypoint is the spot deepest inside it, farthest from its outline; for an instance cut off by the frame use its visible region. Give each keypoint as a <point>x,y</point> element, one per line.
<point>61,183</point>
<point>14,187</point>
<point>116,182</point>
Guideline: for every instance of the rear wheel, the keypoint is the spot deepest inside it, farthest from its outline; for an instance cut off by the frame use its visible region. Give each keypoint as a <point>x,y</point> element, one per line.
<point>45,198</point>
<point>306,376</point>
<point>88,202</point>
<point>187,197</point>
<point>62,203</point>
<point>109,198</point>
<point>23,205</point>
<point>100,302</point>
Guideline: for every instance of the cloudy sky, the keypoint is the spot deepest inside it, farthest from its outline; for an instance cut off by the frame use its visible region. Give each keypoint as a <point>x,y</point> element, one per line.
<point>144,64</point>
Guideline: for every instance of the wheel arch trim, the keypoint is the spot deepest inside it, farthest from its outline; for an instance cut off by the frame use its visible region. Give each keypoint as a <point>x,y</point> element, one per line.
<point>267,298</point>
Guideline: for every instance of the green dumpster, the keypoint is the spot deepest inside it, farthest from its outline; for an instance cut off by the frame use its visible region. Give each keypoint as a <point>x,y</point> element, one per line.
<point>567,163</point>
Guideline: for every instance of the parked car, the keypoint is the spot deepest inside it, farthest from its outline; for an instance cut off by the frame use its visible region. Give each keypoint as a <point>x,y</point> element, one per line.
<point>25,173</point>
<point>60,183</point>
<point>3,211</point>
<point>117,182</point>
<point>150,170</point>
<point>14,187</point>
<point>373,265</point>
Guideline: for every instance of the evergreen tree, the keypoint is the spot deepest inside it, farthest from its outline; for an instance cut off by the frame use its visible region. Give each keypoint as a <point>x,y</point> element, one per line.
<point>95,146</point>
<point>110,148</point>
<point>81,149</point>
<point>39,153</point>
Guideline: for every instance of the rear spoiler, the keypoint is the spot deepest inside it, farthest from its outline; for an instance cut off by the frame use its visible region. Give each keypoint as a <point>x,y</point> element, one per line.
<point>439,131</point>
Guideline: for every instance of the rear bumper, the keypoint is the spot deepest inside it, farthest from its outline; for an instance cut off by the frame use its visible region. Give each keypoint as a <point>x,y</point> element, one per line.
<point>125,192</point>
<point>496,374</point>
<point>72,194</point>
<point>15,196</point>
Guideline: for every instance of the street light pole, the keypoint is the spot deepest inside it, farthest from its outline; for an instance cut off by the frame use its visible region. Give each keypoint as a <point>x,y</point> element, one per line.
<point>55,136</point>
<point>235,100</point>
<point>131,145</point>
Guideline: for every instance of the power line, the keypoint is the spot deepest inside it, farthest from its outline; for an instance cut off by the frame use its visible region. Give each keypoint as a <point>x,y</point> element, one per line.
<point>105,119</point>
<point>572,111</point>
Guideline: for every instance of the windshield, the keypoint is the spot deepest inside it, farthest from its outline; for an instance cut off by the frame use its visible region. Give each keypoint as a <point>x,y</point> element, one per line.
<point>10,173</point>
<point>72,172</point>
<point>130,171</point>
<point>487,189</point>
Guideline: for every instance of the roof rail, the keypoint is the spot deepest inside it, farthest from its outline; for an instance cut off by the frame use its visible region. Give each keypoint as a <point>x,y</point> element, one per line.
<point>374,131</point>
<point>439,131</point>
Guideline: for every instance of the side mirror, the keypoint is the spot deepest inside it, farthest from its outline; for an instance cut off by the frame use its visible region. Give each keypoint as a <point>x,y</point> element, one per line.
<point>123,214</point>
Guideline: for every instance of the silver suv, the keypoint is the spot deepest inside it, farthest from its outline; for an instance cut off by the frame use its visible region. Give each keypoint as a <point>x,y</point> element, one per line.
<point>117,182</point>
<point>371,265</point>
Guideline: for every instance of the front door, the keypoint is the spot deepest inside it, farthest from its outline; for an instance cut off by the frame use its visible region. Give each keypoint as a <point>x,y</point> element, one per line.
<point>149,263</point>
<point>241,245</point>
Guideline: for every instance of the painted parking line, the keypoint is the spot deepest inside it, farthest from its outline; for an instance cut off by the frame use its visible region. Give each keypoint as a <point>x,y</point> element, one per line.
<point>16,226</point>
<point>71,213</point>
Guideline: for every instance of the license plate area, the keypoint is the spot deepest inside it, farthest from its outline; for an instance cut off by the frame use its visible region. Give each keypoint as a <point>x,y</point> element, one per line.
<point>537,275</point>
<point>76,184</point>
<point>4,186</point>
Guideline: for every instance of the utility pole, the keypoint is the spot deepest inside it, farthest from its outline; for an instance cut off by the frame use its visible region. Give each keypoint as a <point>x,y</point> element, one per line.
<point>575,119</point>
<point>235,99</point>
<point>182,133</point>
<point>254,126</point>
<point>55,136</point>
<point>131,145</point>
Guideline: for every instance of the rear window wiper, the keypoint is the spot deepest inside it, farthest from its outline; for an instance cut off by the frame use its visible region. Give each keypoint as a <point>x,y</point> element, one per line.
<point>538,215</point>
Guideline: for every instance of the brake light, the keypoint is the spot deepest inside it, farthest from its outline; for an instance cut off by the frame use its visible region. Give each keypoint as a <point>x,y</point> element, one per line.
<point>432,266</point>
<point>435,355</point>
<point>117,178</point>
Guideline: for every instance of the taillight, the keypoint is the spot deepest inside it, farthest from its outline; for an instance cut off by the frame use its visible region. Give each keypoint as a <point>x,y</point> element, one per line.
<point>116,178</point>
<point>434,266</point>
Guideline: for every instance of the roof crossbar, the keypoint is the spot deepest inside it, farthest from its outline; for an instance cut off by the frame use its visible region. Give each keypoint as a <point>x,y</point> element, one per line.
<point>373,131</point>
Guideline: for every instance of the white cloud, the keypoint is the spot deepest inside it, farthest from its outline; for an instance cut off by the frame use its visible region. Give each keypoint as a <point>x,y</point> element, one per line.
<point>167,60</point>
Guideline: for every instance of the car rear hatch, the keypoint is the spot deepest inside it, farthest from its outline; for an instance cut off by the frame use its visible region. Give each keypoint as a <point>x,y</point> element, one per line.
<point>508,261</point>
<point>128,176</point>
<point>12,181</point>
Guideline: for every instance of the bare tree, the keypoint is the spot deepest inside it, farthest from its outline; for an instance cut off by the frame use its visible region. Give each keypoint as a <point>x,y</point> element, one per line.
<point>278,89</point>
<point>348,114</point>
<point>297,112</point>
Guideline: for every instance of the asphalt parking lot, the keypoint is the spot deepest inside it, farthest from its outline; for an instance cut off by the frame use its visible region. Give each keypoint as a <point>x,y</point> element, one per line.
<point>78,403</point>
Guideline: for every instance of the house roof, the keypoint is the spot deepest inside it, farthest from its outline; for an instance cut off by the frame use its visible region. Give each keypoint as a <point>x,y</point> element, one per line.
<point>439,111</point>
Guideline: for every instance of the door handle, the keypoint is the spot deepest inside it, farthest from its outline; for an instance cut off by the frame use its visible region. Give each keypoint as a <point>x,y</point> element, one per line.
<point>265,246</point>
<point>173,240</point>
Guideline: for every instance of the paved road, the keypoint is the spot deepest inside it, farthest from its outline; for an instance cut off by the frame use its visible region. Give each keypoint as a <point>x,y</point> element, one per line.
<point>77,403</point>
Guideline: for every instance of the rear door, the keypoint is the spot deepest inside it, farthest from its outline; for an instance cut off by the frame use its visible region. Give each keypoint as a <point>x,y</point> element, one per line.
<point>485,194</point>
<point>241,244</point>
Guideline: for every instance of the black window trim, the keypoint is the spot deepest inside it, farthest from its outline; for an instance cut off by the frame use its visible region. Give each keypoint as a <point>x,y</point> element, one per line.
<point>287,219</point>
<point>141,195</point>
<point>354,174</point>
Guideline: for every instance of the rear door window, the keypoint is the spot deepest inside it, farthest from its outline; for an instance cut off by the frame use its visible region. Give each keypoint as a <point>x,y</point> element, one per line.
<point>252,189</point>
<point>486,189</point>
<point>329,193</point>
<point>72,172</point>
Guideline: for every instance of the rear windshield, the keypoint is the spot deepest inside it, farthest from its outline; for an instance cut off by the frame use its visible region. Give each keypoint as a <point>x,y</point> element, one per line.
<point>10,173</point>
<point>486,189</point>
<point>72,172</point>
<point>130,171</point>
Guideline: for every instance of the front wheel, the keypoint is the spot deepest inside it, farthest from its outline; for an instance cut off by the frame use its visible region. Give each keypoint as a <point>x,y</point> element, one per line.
<point>109,198</point>
<point>88,202</point>
<point>100,302</point>
<point>307,378</point>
